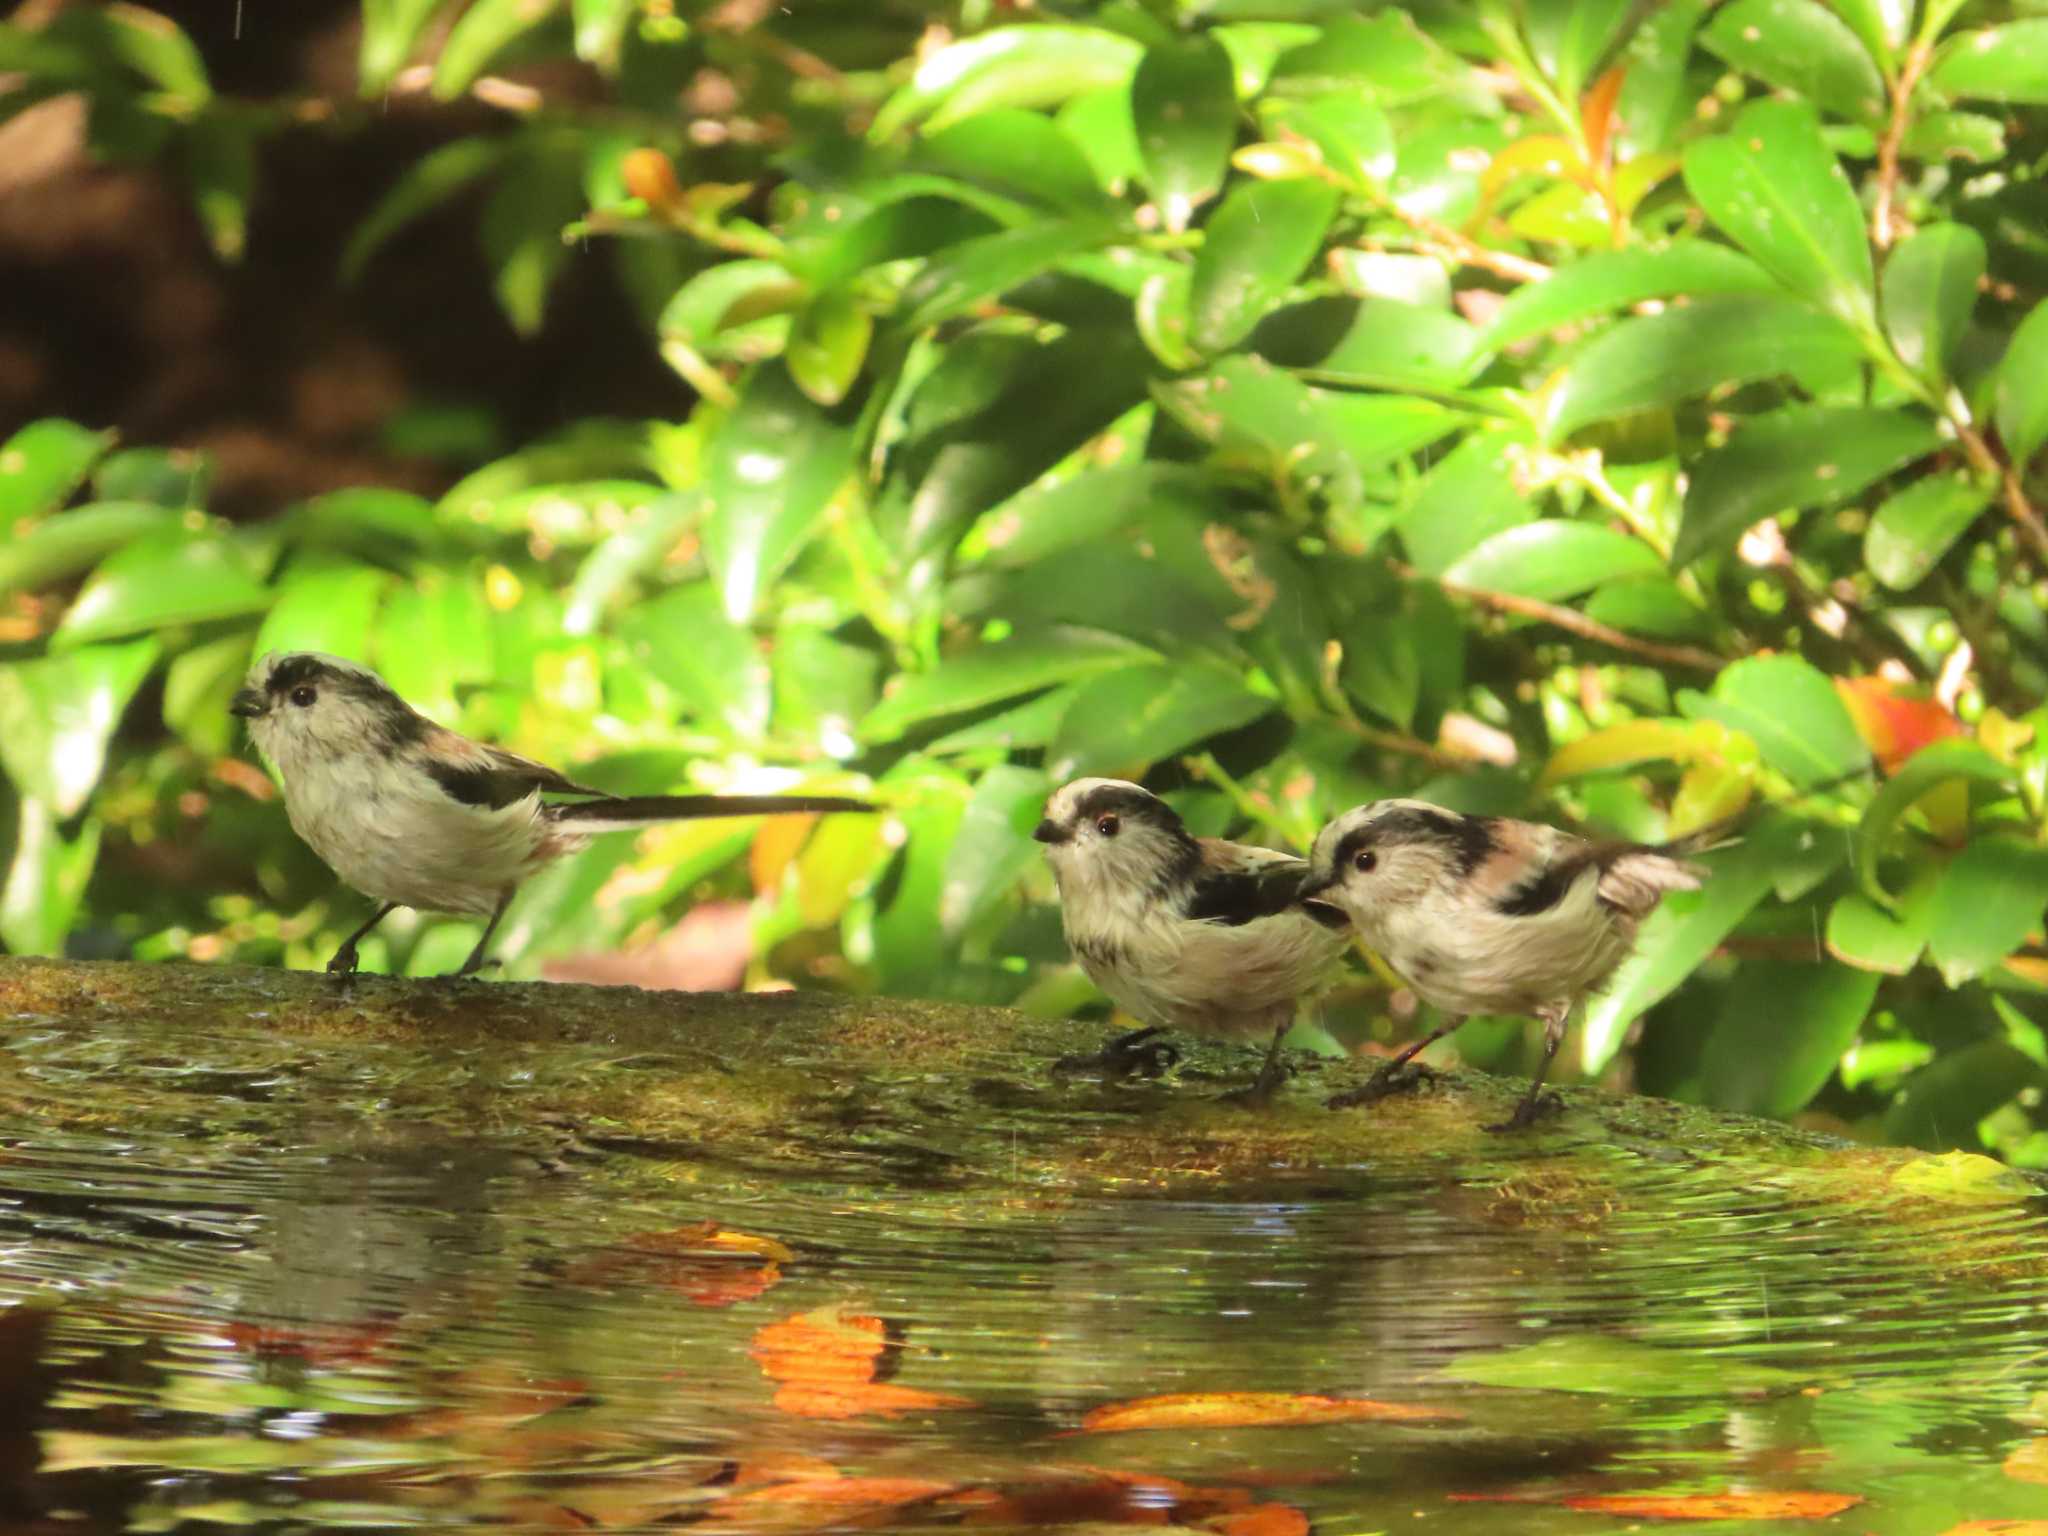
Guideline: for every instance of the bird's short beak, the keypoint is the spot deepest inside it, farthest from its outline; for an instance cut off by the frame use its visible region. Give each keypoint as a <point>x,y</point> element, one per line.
<point>248,704</point>
<point>1050,831</point>
<point>1314,886</point>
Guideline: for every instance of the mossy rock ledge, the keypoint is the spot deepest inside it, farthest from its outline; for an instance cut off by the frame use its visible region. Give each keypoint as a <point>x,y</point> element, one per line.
<point>920,1093</point>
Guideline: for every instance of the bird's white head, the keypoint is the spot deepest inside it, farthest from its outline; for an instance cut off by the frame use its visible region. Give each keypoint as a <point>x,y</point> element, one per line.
<point>1394,853</point>
<point>1109,837</point>
<point>305,708</point>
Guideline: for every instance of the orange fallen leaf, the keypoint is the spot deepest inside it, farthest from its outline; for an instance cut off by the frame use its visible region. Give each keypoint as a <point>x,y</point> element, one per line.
<point>1235,1410</point>
<point>865,1399</point>
<point>701,1263</point>
<point>1099,1496</point>
<point>824,1347</point>
<point>781,1467</point>
<point>821,1503</point>
<point>1260,1520</point>
<point>1687,1506</point>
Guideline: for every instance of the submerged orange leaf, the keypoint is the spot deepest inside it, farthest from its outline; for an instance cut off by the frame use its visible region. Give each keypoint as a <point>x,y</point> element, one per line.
<point>2029,1464</point>
<point>820,1503</point>
<point>825,1347</point>
<point>1234,1410</point>
<point>1999,1528</point>
<point>1688,1506</point>
<point>701,1263</point>
<point>866,1399</point>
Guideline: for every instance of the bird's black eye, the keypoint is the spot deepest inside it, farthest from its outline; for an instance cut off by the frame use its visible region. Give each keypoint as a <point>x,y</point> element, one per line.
<point>1108,825</point>
<point>304,695</point>
<point>1365,861</point>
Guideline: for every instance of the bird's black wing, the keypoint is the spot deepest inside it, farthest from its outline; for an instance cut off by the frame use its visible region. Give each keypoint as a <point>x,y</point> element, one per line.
<point>1235,884</point>
<point>491,778</point>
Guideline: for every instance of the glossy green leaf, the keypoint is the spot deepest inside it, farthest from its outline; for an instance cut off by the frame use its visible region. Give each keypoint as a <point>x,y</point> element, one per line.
<point>391,28</point>
<point>600,27</point>
<point>1865,935</point>
<point>1881,25</point>
<point>2022,390</point>
<point>1792,712</point>
<point>324,604</point>
<point>1774,188</point>
<point>1924,770</point>
<point>166,477</point>
<point>167,578</point>
<point>61,546</point>
<point>827,345</point>
<point>1802,47</point>
<point>992,846</point>
<point>1605,281</point>
<point>58,714</point>
<point>823,686</point>
<point>1781,1032</point>
<point>2008,63</point>
<point>1930,290</point>
<point>1256,245</point>
<point>46,881</point>
<point>431,637</point>
<point>689,640</point>
<point>908,226</point>
<point>1393,345</point>
<point>1124,721</point>
<point>770,472</point>
<point>1686,928</point>
<point>199,685</point>
<point>426,184</point>
<point>1655,108</point>
<point>974,271</point>
<point>155,47</point>
<point>1385,58</point>
<point>989,674</point>
<point>1025,66</point>
<point>1910,533</point>
<point>1553,559</point>
<point>220,166</point>
<point>1355,137</point>
<point>1100,123</point>
<point>1987,903</point>
<point>42,464</point>
<point>372,521</point>
<point>1020,154</point>
<point>479,35</point>
<point>729,294</point>
<point>1470,497</point>
<point>649,535</point>
<point>1801,456</point>
<point>1570,38</point>
<point>1654,606</point>
<point>1256,46</point>
<point>1184,108</point>
<point>522,230</point>
<point>1650,362</point>
<point>1027,727</point>
<point>1972,137</point>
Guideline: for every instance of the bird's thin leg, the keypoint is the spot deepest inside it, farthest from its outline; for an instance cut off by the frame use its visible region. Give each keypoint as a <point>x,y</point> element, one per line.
<point>1536,1103</point>
<point>1137,1053</point>
<point>1395,1074</point>
<point>1272,1073</point>
<point>345,958</point>
<point>475,962</point>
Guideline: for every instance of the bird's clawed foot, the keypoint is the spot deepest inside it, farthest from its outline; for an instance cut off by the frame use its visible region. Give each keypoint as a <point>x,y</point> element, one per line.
<point>1534,1107</point>
<point>1259,1095</point>
<point>1395,1077</point>
<point>1137,1054</point>
<point>345,961</point>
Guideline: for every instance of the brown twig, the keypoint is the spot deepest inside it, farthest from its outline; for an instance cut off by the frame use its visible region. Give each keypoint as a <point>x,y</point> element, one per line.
<point>1574,622</point>
<point>1916,61</point>
<point>1462,248</point>
<point>1984,461</point>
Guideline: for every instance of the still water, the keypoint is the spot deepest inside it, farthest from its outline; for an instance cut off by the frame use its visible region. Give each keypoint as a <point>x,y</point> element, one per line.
<point>251,1284</point>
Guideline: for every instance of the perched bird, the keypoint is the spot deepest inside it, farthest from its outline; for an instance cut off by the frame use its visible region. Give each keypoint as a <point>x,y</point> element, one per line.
<point>1183,932</point>
<point>413,815</point>
<point>1481,914</point>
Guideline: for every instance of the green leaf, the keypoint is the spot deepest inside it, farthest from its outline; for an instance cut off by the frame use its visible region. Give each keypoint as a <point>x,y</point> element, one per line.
<point>689,641</point>
<point>827,345</point>
<point>1686,928</point>
<point>1986,904</point>
<point>649,535</point>
<point>989,674</point>
<point>1028,727</point>
<point>199,685</point>
<point>1026,66</point>
<point>58,714</point>
<point>1256,46</point>
<point>522,230</point>
<point>973,271</point>
<point>2008,63</point>
<point>1781,1032</point>
<point>1657,95</point>
<point>1881,25</point>
<point>1100,122</point>
<point>823,685</point>
<point>368,520</point>
<point>770,472</point>
<point>1384,58</point>
<point>1604,281</point>
<point>220,163</point>
<point>426,184</point>
<point>1259,241</point>
<point>729,294</point>
<point>2022,395</point>
<point>61,546</point>
<point>1470,497</point>
<point>1125,721</point>
<point>324,604</point>
<point>1930,291</point>
<point>1650,362</point>
<point>992,847</point>
<point>163,579</point>
<point>1184,107</point>
<point>1356,138</point>
<point>432,636</point>
<point>1800,456</point>
<point>479,35</point>
<point>155,48</point>
<point>1599,1362</point>
<point>1971,137</point>
<point>1910,533</point>
<point>42,464</point>
<point>1792,712</point>
<point>1553,559</point>
<point>46,882</point>
<point>1393,345</point>
<point>1930,766</point>
<point>1863,934</point>
<point>1024,155</point>
<point>1801,47</point>
<point>177,478</point>
<point>1656,606</point>
<point>600,27</point>
<point>1570,38</point>
<point>1774,188</point>
<point>390,29</point>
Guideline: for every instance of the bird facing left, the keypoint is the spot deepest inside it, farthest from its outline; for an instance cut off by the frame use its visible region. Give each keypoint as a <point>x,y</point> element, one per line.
<point>412,814</point>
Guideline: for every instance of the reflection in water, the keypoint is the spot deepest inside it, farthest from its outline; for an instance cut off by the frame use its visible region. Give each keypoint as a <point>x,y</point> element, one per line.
<point>257,1294</point>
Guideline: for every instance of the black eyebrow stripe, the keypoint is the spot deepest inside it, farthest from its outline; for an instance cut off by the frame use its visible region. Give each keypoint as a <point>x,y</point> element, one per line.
<point>1125,801</point>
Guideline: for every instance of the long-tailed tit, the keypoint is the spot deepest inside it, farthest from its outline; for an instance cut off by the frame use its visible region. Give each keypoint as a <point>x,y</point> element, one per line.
<point>1183,932</point>
<point>413,815</point>
<point>1481,914</point>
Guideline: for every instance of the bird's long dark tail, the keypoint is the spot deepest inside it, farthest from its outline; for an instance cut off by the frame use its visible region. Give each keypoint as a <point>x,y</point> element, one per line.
<point>651,810</point>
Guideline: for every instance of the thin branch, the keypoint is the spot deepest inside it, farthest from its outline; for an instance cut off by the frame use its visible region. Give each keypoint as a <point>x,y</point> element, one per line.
<point>1917,57</point>
<point>1985,462</point>
<point>1464,249</point>
<point>1574,622</point>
